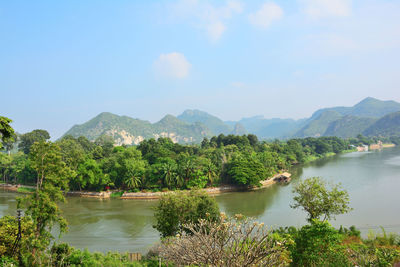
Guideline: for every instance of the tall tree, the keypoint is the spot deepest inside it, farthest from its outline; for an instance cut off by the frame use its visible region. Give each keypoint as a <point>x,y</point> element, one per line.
<point>6,131</point>
<point>41,206</point>
<point>28,139</point>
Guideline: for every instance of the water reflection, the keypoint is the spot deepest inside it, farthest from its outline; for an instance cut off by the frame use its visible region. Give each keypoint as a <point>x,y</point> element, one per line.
<point>251,204</point>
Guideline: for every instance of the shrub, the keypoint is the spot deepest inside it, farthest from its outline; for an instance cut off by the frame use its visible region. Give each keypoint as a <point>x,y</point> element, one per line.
<point>179,208</point>
<point>232,242</point>
<point>318,244</point>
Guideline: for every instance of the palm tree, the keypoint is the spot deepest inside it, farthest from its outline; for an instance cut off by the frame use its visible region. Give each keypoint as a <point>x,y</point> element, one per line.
<point>132,182</point>
<point>210,171</point>
<point>168,172</point>
<point>187,169</point>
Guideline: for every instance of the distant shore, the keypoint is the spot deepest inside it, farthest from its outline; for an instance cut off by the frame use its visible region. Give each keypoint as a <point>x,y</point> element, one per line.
<point>281,177</point>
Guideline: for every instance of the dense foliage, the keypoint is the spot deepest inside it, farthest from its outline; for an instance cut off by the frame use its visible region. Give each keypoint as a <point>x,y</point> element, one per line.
<point>174,210</point>
<point>315,197</point>
<point>160,164</point>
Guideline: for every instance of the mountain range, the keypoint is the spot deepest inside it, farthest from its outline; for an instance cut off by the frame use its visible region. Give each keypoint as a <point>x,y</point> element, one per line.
<point>371,117</point>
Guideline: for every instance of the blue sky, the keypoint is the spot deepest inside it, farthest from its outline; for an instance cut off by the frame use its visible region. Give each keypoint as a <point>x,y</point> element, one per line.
<point>63,62</point>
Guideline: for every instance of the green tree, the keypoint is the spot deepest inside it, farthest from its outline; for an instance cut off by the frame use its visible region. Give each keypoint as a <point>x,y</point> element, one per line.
<point>9,232</point>
<point>174,210</point>
<point>246,170</point>
<point>318,244</point>
<point>28,139</point>
<point>210,171</point>
<point>106,142</point>
<point>90,176</point>
<point>315,197</point>
<point>6,131</point>
<point>41,206</point>
<point>72,152</point>
<point>169,173</point>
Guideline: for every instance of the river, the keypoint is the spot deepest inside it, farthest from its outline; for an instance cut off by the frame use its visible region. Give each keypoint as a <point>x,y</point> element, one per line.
<point>371,178</point>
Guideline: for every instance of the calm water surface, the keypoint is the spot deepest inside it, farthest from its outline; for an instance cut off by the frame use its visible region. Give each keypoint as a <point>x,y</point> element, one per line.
<point>372,180</point>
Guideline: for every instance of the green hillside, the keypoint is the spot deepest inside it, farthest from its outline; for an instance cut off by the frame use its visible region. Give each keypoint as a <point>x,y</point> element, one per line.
<point>369,107</point>
<point>214,124</point>
<point>348,126</point>
<point>319,125</point>
<point>388,125</point>
<point>126,130</point>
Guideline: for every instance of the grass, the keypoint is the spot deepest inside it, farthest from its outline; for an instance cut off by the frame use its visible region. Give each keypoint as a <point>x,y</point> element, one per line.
<point>117,194</point>
<point>310,158</point>
<point>25,190</point>
<point>349,150</point>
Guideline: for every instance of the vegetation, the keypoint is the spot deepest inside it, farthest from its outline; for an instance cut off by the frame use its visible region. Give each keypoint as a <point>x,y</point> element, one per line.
<point>388,125</point>
<point>198,234</point>
<point>160,164</point>
<point>175,210</point>
<point>6,131</point>
<point>228,242</point>
<point>41,206</point>
<point>134,127</point>
<point>317,200</point>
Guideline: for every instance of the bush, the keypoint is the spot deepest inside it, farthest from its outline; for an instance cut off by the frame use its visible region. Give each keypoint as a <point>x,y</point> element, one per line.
<point>233,242</point>
<point>318,244</point>
<point>117,194</point>
<point>179,208</point>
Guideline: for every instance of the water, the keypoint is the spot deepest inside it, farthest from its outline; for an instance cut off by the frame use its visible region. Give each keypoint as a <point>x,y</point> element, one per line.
<point>372,180</point>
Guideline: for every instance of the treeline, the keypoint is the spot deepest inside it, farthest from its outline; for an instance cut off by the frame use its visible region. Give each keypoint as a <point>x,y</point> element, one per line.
<point>161,164</point>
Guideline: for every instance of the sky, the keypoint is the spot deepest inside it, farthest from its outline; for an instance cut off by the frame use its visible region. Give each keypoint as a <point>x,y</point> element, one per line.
<point>64,62</point>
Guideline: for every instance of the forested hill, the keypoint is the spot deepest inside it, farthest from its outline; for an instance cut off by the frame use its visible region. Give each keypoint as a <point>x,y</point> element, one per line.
<point>348,121</point>
<point>126,130</point>
<point>388,125</point>
<point>367,117</point>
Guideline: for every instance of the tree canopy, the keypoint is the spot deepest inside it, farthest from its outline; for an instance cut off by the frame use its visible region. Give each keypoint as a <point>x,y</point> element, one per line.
<point>315,197</point>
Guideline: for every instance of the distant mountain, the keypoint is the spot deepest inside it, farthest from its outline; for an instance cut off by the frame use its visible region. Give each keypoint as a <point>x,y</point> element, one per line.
<point>347,121</point>
<point>214,124</point>
<point>370,117</point>
<point>126,130</point>
<point>270,128</point>
<point>348,126</point>
<point>239,129</point>
<point>319,125</point>
<point>369,107</point>
<point>386,126</point>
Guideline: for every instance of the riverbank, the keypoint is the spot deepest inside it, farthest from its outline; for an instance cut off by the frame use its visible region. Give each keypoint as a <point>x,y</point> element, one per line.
<point>278,178</point>
<point>281,177</point>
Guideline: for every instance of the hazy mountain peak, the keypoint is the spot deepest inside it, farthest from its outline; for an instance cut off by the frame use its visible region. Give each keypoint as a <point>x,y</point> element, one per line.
<point>215,124</point>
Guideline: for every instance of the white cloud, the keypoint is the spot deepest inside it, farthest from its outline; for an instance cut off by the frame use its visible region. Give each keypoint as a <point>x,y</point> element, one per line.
<point>326,8</point>
<point>268,13</point>
<point>215,30</point>
<point>172,65</point>
<point>207,17</point>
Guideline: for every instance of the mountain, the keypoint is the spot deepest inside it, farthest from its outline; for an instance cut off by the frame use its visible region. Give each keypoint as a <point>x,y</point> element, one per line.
<point>369,107</point>
<point>388,125</point>
<point>214,124</point>
<point>239,129</point>
<point>370,117</point>
<point>347,121</point>
<point>318,126</point>
<point>269,128</point>
<point>348,126</point>
<point>126,130</point>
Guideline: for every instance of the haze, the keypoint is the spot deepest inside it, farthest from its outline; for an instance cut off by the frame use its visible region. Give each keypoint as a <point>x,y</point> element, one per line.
<point>63,62</point>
